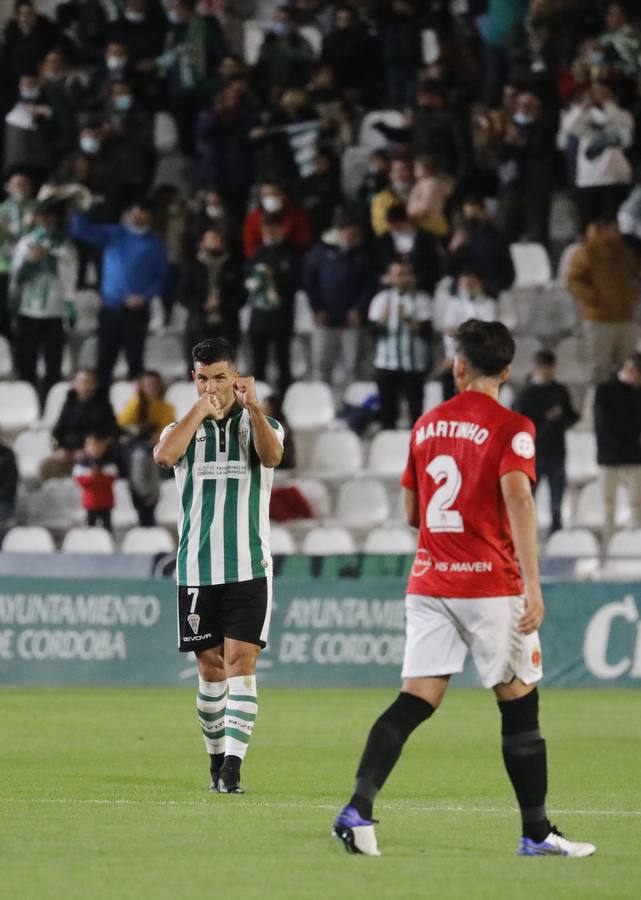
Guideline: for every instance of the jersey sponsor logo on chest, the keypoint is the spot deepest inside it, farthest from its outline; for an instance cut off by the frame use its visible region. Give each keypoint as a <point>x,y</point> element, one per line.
<point>222,469</point>
<point>450,428</point>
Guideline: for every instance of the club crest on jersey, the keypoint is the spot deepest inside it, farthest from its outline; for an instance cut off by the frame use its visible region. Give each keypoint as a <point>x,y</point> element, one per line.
<point>536,658</point>
<point>194,622</point>
<point>422,563</point>
<point>243,434</point>
<point>523,445</point>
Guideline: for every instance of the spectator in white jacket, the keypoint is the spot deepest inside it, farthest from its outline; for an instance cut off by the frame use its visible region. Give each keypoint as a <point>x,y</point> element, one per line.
<point>595,132</point>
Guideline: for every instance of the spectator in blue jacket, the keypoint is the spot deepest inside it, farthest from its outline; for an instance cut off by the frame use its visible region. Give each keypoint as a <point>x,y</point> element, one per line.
<point>340,280</point>
<point>134,270</point>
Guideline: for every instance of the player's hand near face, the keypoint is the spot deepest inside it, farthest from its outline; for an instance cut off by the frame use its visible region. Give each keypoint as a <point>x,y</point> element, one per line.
<point>245,392</point>
<point>209,406</point>
<point>533,615</point>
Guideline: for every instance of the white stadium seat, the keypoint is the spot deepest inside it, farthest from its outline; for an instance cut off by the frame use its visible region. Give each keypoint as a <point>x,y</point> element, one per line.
<point>303,315</point>
<point>531,263</point>
<point>432,395</point>
<point>388,453</point>
<point>254,34</point>
<point>565,260</point>
<point>621,569</point>
<point>54,403</point>
<point>147,540</point>
<point>523,361</point>
<point>31,448</point>
<point>88,358</point>
<point>590,512</point>
<point>165,353</point>
<point>625,543</point>
<point>6,357</point>
<point>57,504</point>
<point>322,541</point>
<point>167,508</point>
<point>543,510</point>
<point>315,492</point>
<point>19,405</point>
<point>336,455</point>
<point>87,303</point>
<point>313,37</point>
<point>88,540</point>
<point>384,540</point>
<point>572,542</point>
<point>124,514</point>
<point>362,504</point>
<point>370,137</point>
<point>571,361</point>
<point>182,395</point>
<point>34,539</point>
<point>281,541</point>
<point>359,392</point>
<point>308,405</point>
<point>120,393</point>
<point>581,464</point>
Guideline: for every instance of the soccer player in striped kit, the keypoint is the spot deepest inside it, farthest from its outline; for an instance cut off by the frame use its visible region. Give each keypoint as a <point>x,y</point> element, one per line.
<point>223,452</point>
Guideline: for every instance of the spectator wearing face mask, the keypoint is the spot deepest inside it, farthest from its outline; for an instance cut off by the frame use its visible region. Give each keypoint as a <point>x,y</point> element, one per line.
<point>134,271</point>
<point>194,46</point>
<point>285,57</point>
<point>526,172</point>
<point>406,242</point>
<point>401,317</point>
<point>141,29</point>
<point>117,65</point>
<point>43,281</point>
<point>273,277</point>
<point>128,127</point>
<point>222,141</point>
<point>273,199</point>
<point>468,300</point>
<point>28,36</point>
<point>396,191</point>
<point>29,129</point>
<point>16,220</point>
<point>339,279</point>
<point>479,246</point>
<point>599,131</point>
<point>212,289</point>
<point>354,56</point>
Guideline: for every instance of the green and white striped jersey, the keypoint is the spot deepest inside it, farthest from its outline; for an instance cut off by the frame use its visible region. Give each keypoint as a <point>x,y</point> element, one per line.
<point>398,347</point>
<point>224,493</point>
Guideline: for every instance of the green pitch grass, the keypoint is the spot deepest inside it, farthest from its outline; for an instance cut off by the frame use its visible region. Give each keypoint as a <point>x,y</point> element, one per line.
<point>104,795</point>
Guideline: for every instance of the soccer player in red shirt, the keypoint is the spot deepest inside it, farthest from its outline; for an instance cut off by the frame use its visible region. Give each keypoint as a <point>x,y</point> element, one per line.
<point>474,586</point>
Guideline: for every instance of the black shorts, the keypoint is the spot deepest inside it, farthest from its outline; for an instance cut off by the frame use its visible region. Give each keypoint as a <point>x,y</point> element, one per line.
<point>209,613</point>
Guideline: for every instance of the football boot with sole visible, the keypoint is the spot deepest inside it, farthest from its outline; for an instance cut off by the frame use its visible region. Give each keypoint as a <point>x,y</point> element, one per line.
<point>356,834</point>
<point>555,844</point>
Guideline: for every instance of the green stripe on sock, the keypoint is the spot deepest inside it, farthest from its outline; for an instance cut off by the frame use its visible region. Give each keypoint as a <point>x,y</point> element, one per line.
<point>241,714</point>
<point>207,699</point>
<point>242,698</point>
<point>211,717</point>
<point>213,735</point>
<point>239,735</point>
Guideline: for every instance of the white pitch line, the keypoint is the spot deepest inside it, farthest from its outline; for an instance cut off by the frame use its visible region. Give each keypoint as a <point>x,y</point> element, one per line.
<point>64,801</point>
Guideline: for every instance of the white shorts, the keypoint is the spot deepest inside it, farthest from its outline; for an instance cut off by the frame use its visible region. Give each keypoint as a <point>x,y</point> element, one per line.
<point>440,630</point>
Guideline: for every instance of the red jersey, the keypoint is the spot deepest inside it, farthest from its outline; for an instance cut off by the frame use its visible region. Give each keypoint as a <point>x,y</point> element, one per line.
<point>458,453</point>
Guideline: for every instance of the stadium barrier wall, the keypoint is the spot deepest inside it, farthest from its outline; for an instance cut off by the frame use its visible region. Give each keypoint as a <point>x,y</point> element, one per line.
<point>325,631</point>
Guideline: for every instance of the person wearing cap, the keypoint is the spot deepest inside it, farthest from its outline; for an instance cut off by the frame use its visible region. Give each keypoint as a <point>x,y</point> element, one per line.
<point>44,269</point>
<point>134,270</point>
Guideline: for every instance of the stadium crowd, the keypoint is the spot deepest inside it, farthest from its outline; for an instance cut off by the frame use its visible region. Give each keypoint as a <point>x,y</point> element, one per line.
<point>334,187</point>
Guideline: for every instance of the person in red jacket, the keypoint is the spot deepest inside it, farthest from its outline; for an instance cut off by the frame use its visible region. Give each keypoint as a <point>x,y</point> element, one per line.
<point>296,224</point>
<point>96,473</point>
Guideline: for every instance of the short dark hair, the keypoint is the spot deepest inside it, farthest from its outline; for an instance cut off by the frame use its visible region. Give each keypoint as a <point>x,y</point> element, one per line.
<point>635,359</point>
<point>545,358</point>
<point>487,346</point>
<point>213,350</point>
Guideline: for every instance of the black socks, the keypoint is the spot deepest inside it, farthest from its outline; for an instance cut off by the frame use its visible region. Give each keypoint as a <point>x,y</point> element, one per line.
<point>525,759</point>
<point>384,746</point>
